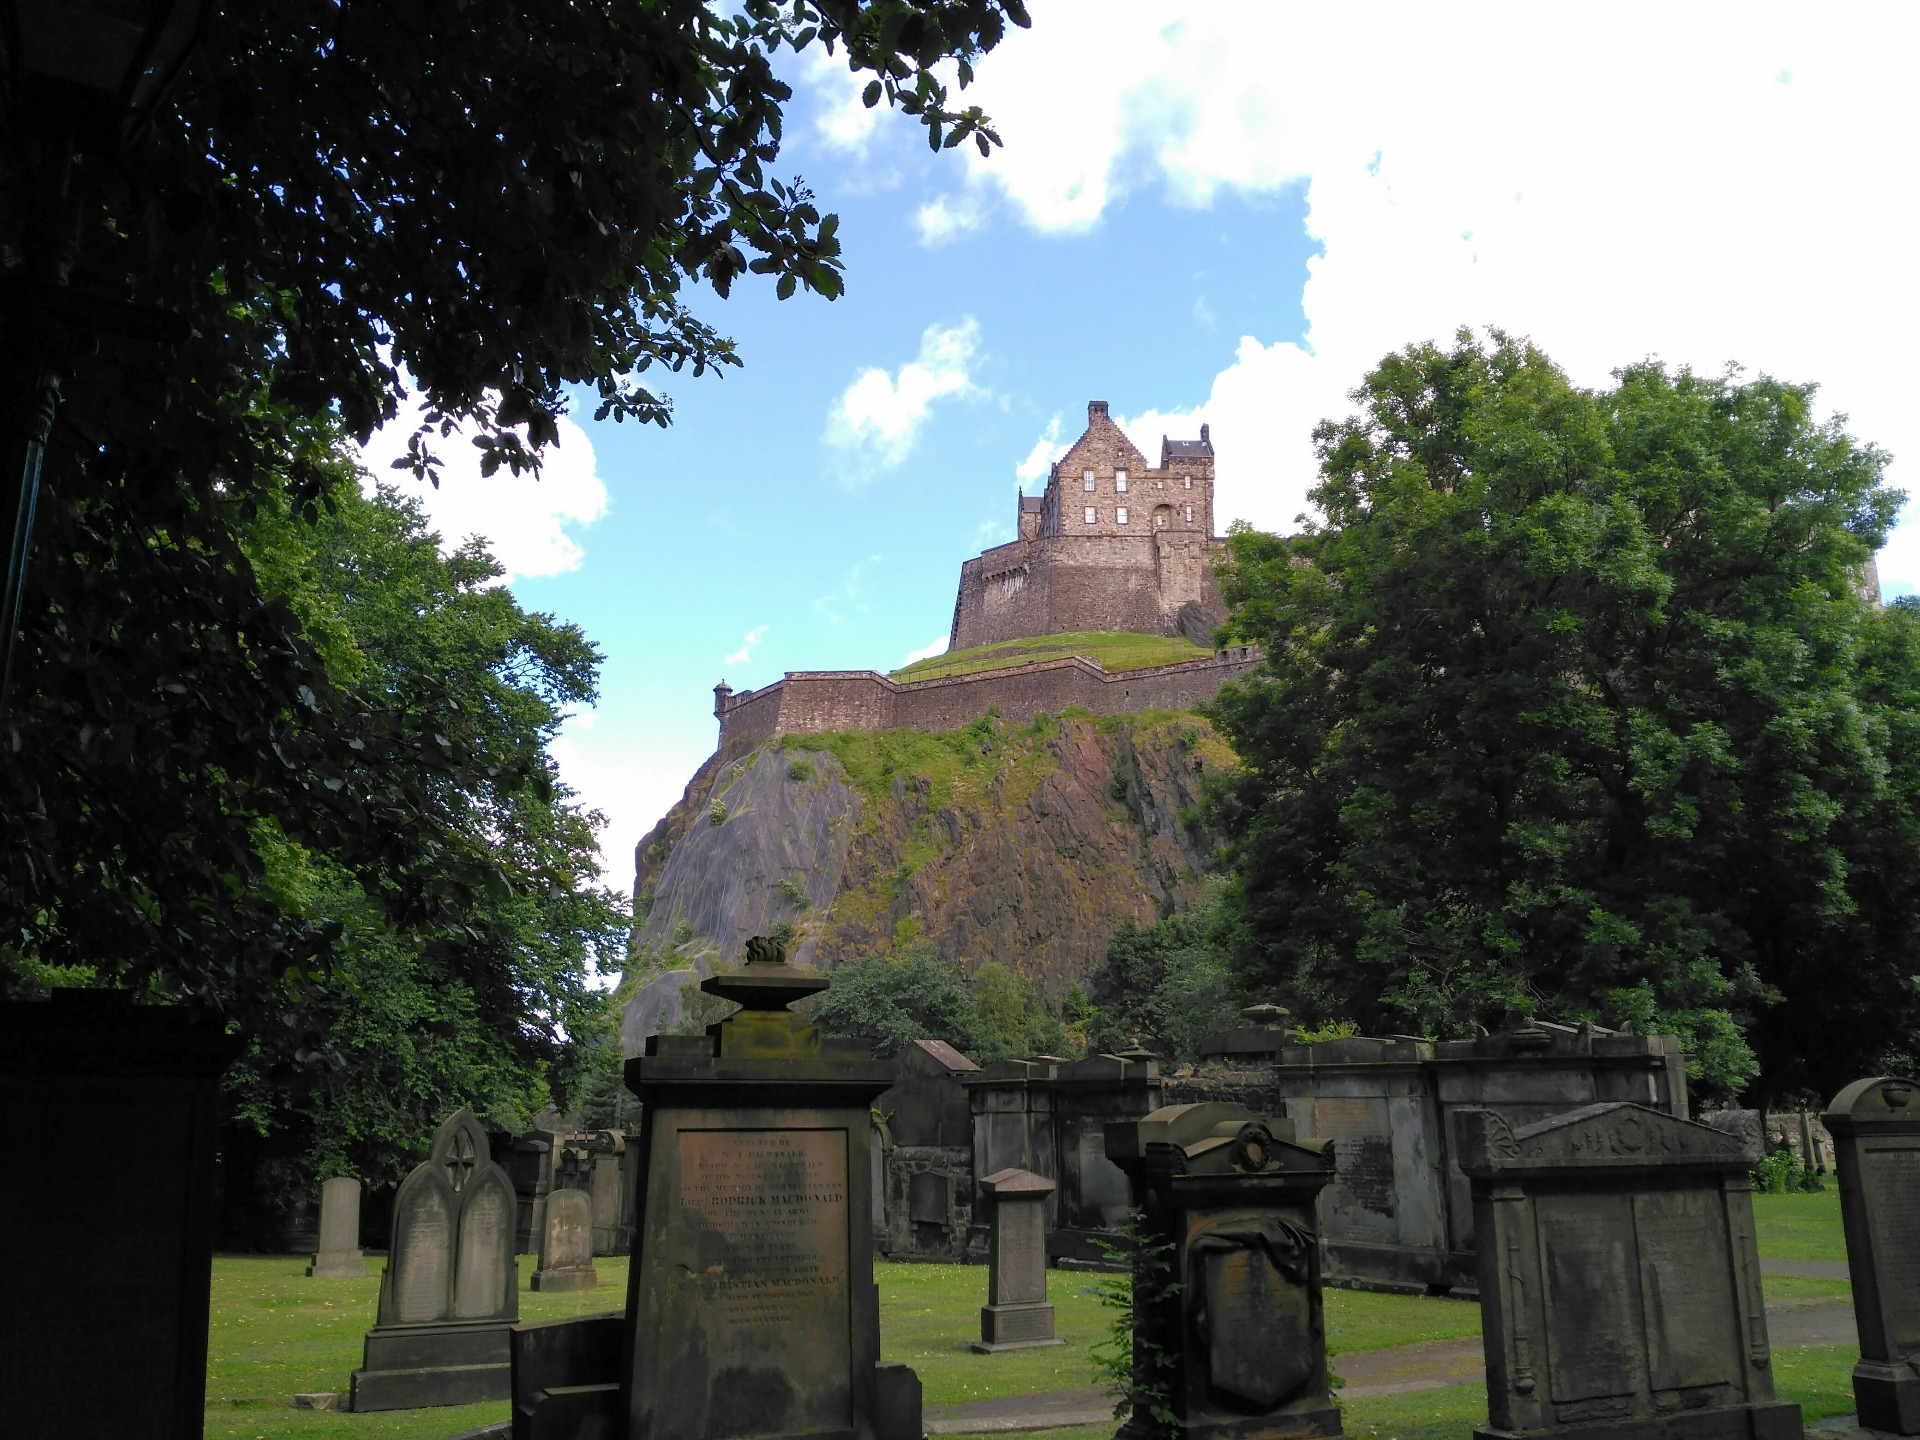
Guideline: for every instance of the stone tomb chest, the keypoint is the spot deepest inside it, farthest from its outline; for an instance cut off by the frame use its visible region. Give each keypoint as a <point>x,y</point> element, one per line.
<point>752,1304</point>
<point>1619,1282</point>
<point>1876,1131</point>
<point>928,1162</point>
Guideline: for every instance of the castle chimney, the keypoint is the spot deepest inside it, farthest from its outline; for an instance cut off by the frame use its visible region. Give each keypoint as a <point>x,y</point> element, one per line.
<point>1206,438</point>
<point>722,693</point>
<point>1096,409</point>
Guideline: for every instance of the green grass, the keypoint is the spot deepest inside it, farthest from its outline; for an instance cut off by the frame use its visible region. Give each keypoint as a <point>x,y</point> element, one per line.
<point>1799,1226</point>
<point>1802,1287</point>
<point>275,1333</point>
<point>929,1314</point>
<point>1364,1320</point>
<point>1111,651</point>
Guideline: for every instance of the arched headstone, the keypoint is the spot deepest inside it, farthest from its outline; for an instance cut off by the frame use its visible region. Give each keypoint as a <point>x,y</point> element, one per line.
<point>450,1290</point>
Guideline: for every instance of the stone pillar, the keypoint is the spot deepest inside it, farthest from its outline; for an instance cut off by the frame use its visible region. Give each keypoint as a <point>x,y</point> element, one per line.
<point>1619,1281</point>
<point>1875,1126</point>
<point>752,1306</point>
<point>339,1255</point>
<point>566,1244</point>
<point>110,1276</point>
<point>1230,1334</point>
<point>1017,1315</point>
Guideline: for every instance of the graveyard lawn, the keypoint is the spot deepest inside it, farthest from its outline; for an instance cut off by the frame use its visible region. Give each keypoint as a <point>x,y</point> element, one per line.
<point>1800,1226</point>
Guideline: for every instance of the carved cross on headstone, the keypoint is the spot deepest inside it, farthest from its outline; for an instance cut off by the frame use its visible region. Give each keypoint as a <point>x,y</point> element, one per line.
<point>460,1160</point>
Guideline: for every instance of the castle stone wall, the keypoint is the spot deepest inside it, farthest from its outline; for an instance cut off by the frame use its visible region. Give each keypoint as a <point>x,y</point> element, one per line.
<point>1059,584</point>
<point>810,701</point>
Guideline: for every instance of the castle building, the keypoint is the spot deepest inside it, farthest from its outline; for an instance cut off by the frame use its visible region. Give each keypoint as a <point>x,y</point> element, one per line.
<point>1111,544</point>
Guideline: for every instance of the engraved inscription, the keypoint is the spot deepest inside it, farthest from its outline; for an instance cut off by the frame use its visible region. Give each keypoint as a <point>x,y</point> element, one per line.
<point>486,1250</point>
<point>1892,1175</point>
<point>1593,1345</point>
<point>1687,1290</point>
<point>1019,1272</point>
<point>1363,1149</point>
<point>422,1257</point>
<point>1259,1328</point>
<point>777,1200</point>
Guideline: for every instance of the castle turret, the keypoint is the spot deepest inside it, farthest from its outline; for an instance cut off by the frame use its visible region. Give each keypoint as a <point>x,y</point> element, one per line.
<point>722,693</point>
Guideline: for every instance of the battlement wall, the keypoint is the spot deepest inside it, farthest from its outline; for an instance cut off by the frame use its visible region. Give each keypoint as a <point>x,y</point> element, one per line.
<point>1059,584</point>
<point>811,701</point>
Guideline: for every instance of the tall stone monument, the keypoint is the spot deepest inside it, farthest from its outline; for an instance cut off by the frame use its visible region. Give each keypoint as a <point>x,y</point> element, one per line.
<point>1875,1126</point>
<point>752,1308</point>
<point>1231,1334</point>
<point>1619,1283</point>
<point>1017,1315</point>
<point>566,1244</point>
<point>339,1254</point>
<point>450,1291</point>
<point>108,1284</point>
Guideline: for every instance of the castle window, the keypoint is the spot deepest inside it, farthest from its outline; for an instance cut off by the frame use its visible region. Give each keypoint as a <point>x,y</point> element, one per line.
<point>1120,481</point>
<point>1189,514</point>
<point>1120,515</point>
<point>1086,482</point>
<point>1091,514</point>
<point>1186,482</point>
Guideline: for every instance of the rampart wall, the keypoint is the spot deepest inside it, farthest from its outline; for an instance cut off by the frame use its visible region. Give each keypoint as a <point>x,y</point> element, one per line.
<point>811,701</point>
<point>1059,584</point>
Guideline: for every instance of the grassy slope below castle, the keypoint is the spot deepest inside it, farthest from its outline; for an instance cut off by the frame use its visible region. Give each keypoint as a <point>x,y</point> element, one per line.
<point>1112,651</point>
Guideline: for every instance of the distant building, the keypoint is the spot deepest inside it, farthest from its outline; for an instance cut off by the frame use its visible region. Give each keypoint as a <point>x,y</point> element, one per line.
<point>1111,544</point>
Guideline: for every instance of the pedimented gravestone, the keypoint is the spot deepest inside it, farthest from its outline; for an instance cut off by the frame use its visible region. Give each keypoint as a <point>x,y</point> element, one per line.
<point>1619,1281</point>
<point>1017,1315</point>
<point>450,1290</point>
<point>1876,1130</point>
<point>1230,1330</point>
<point>566,1244</point>
<point>339,1254</point>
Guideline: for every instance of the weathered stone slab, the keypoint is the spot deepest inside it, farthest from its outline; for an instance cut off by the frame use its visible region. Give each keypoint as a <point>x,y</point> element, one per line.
<point>1875,1126</point>
<point>1619,1282</point>
<point>566,1246</point>
<point>1017,1315</point>
<point>108,1276</point>
<point>1236,1308</point>
<point>339,1254</point>
<point>450,1289</point>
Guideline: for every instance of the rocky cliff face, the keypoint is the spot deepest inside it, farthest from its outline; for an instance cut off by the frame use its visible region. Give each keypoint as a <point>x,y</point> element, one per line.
<point>1026,845</point>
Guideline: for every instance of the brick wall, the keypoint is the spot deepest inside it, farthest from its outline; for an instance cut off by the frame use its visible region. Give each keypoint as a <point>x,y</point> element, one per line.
<point>809,701</point>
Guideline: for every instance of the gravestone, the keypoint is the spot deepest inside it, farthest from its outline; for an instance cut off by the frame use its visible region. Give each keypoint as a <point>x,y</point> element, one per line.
<point>1875,1126</point>
<point>108,1279</point>
<point>450,1290</point>
<point>928,1154</point>
<point>752,1309</point>
<point>1017,1315</point>
<point>1230,1330</point>
<point>1619,1282</point>
<point>339,1254</point>
<point>566,1246</point>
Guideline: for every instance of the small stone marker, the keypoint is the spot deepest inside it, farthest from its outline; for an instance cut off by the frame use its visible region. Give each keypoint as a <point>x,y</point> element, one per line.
<point>1875,1126</point>
<point>566,1246</point>
<point>1017,1315</point>
<point>339,1255</point>
<point>1230,1322</point>
<point>450,1290</point>
<point>1619,1282</point>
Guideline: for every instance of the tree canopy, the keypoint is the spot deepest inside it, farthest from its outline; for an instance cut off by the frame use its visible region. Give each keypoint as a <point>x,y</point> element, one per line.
<point>891,1000</point>
<point>342,202</point>
<point>1574,705</point>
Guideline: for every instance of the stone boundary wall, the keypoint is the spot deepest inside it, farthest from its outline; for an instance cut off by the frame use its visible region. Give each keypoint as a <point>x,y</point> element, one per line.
<point>811,701</point>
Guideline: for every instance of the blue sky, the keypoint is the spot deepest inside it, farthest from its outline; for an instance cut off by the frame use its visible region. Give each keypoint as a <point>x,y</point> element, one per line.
<point>1212,212</point>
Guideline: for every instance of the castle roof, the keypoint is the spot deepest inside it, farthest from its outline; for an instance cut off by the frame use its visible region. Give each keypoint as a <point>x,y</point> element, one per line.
<point>1201,449</point>
<point>1032,504</point>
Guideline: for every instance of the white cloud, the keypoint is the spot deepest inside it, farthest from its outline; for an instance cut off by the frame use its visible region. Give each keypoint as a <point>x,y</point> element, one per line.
<point>1702,183</point>
<point>1047,449</point>
<point>927,651</point>
<point>632,786</point>
<point>849,597</point>
<point>947,217</point>
<point>529,522</point>
<point>841,121</point>
<point>745,652</point>
<point>878,417</point>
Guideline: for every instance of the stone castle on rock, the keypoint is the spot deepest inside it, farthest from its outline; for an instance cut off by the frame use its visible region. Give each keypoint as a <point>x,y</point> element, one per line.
<point>1112,544</point>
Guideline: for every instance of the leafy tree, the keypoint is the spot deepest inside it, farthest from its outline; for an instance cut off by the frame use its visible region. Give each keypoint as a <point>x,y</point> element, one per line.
<point>916,993</point>
<point>1171,984</point>
<point>1574,705</point>
<point>341,202</point>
